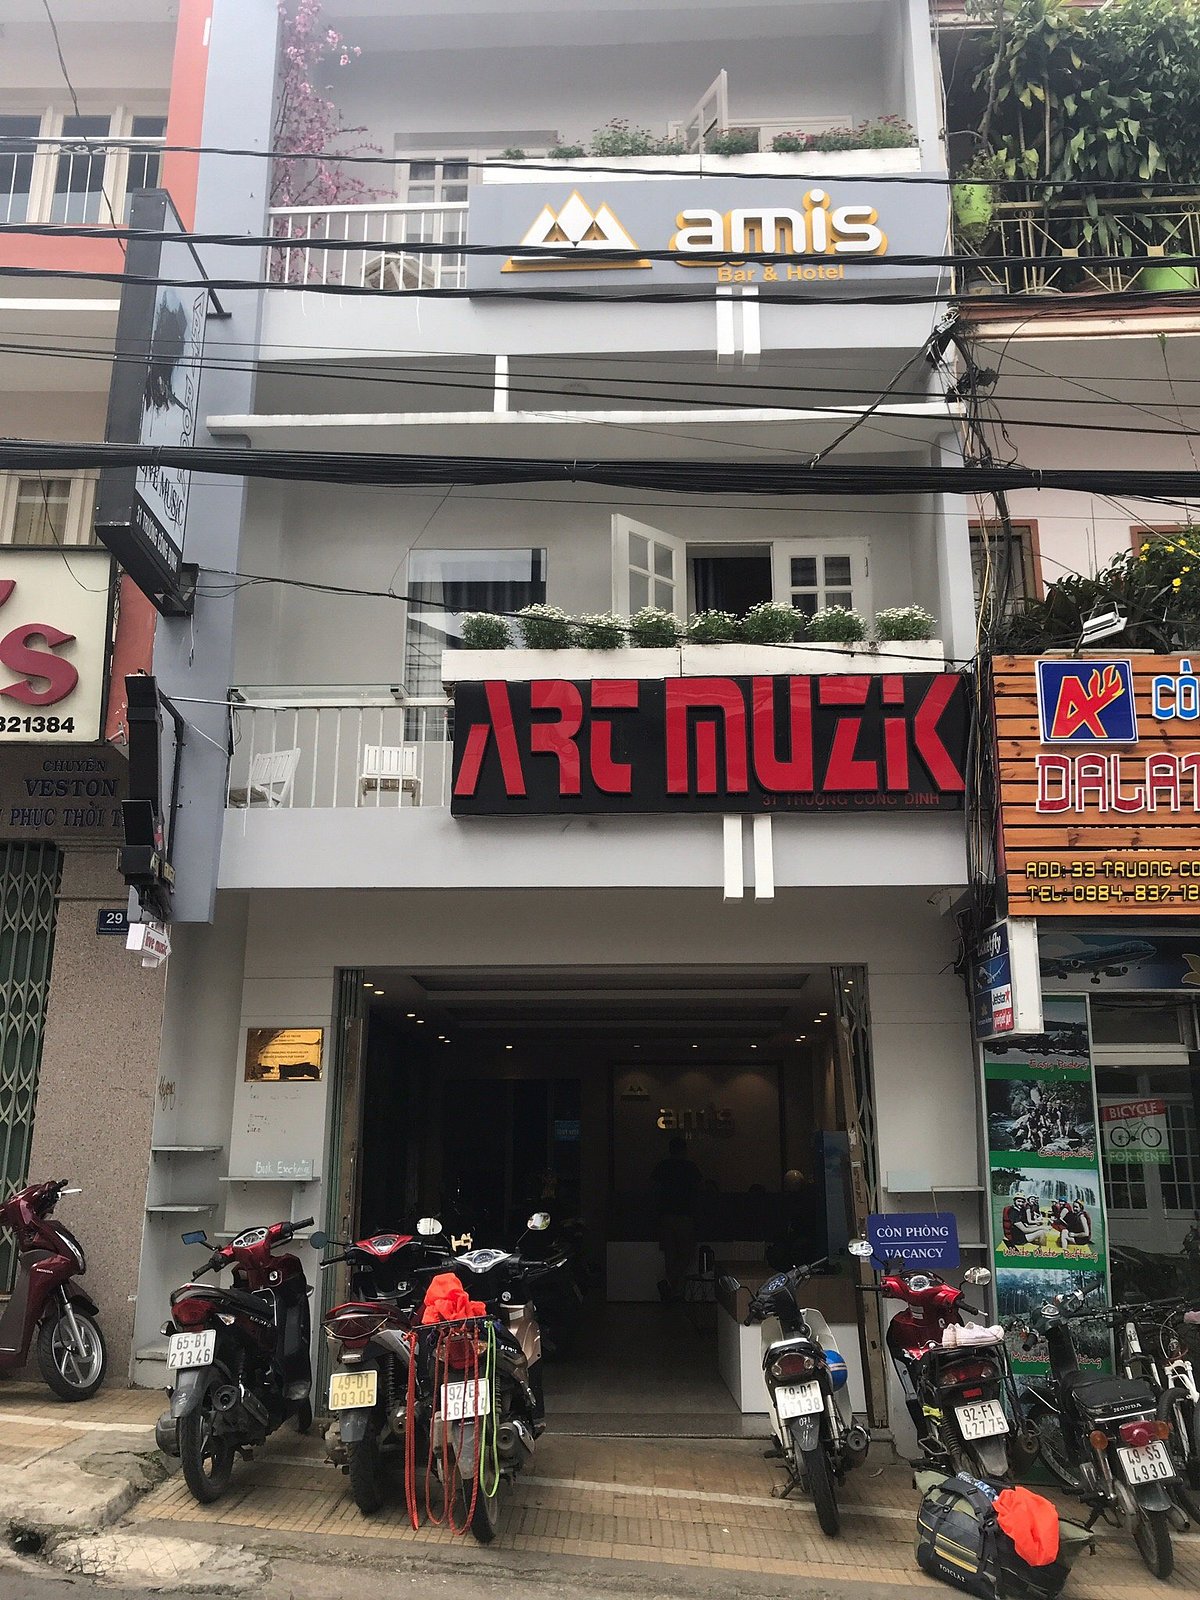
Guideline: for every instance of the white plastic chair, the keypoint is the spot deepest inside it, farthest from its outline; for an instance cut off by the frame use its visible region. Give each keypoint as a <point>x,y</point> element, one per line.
<point>272,775</point>
<point>389,769</point>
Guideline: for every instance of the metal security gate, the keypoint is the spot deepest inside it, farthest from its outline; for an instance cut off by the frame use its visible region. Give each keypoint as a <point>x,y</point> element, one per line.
<point>29,876</point>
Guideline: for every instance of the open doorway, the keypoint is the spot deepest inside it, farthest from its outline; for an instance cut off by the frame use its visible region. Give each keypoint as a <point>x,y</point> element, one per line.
<point>490,1094</point>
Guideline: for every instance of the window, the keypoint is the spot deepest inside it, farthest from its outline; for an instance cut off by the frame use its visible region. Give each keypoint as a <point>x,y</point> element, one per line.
<point>144,162</point>
<point>79,173</point>
<point>17,166</point>
<point>1014,576</point>
<point>39,510</point>
<point>811,574</point>
<point>1140,535</point>
<point>445,584</point>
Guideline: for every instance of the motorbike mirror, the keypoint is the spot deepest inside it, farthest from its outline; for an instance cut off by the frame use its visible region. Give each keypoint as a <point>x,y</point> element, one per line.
<point>728,1285</point>
<point>861,1248</point>
<point>428,1226</point>
<point>538,1222</point>
<point>977,1275</point>
<point>197,1236</point>
<point>318,1241</point>
<point>71,1191</point>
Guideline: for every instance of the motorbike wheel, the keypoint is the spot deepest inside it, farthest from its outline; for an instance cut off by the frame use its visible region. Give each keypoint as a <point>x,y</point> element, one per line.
<point>1152,1535</point>
<point>1052,1448</point>
<point>485,1518</point>
<point>366,1472</point>
<point>304,1416</point>
<point>72,1374</point>
<point>205,1457</point>
<point>819,1476</point>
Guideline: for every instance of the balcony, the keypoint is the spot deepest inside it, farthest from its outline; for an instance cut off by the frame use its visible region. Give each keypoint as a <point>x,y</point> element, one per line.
<point>1061,258</point>
<point>368,246</point>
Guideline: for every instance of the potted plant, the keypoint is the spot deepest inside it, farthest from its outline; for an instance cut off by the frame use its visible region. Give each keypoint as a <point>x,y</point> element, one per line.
<point>482,631</point>
<point>653,629</point>
<point>545,627</point>
<point>908,623</point>
<point>601,631</point>
<point>733,142</point>
<point>974,197</point>
<point>791,144</point>
<point>770,622</point>
<point>714,627</point>
<point>836,625</point>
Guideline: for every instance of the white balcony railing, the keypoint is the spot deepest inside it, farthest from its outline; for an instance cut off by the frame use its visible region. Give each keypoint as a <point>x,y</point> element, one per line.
<point>338,748</point>
<point>369,246</point>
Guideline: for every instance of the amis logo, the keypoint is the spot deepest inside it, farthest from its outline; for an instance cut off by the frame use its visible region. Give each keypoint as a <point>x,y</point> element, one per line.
<point>1086,702</point>
<point>574,230</point>
<point>817,227</point>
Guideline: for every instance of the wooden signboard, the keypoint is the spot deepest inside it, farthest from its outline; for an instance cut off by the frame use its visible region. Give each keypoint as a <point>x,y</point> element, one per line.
<point>1099,784</point>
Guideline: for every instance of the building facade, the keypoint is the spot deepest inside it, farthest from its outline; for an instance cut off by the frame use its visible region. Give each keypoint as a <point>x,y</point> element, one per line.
<point>380,1005</point>
<point>79,1059</point>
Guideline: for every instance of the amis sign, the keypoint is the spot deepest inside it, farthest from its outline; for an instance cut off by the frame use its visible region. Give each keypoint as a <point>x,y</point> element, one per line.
<point>845,743</point>
<point>608,232</point>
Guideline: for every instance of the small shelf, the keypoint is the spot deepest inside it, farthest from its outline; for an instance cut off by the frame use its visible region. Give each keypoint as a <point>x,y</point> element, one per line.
<point>247,1179</point>
<point>188,1210</point>
<point>185,1149</point>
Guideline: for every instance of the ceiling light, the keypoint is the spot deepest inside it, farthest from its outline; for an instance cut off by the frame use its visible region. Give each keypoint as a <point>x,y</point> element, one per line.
<point>379,991</point>
<point>368,983</point>
<point>410,1015</point>
<point>508,1047</point>
<point>754,1047</point>
<point>420,1022</point>
<point>821,1014</point>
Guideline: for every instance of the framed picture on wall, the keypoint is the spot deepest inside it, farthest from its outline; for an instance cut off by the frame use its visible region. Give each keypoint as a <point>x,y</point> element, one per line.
<point>284,1055</point>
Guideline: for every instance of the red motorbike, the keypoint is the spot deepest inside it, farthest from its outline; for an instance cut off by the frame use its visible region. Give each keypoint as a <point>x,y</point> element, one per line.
<point>960,1396</point>
<point>242,1355</point>
<point>47,1301</point>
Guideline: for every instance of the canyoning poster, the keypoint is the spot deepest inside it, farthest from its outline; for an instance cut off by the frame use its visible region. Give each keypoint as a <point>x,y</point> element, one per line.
<point>1045,1192</point>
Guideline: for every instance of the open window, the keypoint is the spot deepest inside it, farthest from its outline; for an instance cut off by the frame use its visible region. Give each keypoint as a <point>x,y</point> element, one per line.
<point>649,568</point>
<point>811,574</point>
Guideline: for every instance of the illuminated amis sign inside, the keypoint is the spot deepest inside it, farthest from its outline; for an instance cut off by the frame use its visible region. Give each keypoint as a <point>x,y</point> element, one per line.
<point>819,228</point>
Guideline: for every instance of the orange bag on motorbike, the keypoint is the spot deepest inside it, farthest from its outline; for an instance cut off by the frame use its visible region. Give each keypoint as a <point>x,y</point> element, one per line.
<point>447,1301</point>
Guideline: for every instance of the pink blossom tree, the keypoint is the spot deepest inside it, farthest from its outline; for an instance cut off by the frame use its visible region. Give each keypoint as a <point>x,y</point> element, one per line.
<point>308,124</point>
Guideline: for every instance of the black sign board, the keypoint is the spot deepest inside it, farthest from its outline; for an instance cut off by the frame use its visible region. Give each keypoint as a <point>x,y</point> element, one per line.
<point>153,400</point>
<point>838,743</point>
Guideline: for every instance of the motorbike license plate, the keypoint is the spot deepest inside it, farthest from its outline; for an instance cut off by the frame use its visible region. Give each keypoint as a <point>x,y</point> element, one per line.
<point>469,1399</point>
<point>191,1349</point>
<point>352,1391</point>
<point>1147,1463</point>
<point>983,1419</point>
<point>799,1400</point>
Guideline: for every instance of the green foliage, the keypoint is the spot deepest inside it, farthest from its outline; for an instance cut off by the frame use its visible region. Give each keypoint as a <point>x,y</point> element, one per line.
<point>714,627</point>
<point>546,627</point>
<point>1101,96</point>
<point>769,622</point>
<point>481,631</point>
<point>1158,591</point>
<point>620,138</point>
<point>565,152</point>
<point>904,622</point>
<point>733,142</point>
<point>880,133</point>
<point>513,153</point>
<point>653,628</point>
<point>790,144</point>
<point>836,625</point>
<point>601,631</point>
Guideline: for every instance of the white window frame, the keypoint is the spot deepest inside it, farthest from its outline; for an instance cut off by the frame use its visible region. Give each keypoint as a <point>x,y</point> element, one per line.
<point>116,159</point>
<point>623,566</point>
<point>80,507</point>
<point>858,550</point>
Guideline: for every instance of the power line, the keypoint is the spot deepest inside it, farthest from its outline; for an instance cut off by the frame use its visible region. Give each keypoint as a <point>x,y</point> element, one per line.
<point>686,476</point>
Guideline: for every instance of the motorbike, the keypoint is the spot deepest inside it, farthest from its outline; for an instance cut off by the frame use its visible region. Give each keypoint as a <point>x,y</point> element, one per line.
<point>560,1302</point>
<point>812,1419</point>
<point>1150,1345</point>
<point>484,1380</point>
<point>370,1341</point>
<point>960,1397</point>
<point>1103,1437</point>
<point>240,1355</point>
<point>48,1309</point>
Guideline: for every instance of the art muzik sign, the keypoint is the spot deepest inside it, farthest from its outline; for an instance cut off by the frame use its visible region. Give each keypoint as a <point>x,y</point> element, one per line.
<point>841,743</point>
<point>1099,764</point>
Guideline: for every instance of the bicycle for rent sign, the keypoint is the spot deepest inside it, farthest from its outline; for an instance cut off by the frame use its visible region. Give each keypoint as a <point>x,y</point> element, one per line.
<point>1135,1131</point>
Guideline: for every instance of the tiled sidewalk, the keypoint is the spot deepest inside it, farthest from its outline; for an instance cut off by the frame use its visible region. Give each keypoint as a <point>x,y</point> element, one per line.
<point>665,1504</point>
<point>683,1504</point>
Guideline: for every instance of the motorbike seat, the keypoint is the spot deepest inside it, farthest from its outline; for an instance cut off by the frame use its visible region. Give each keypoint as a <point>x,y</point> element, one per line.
<point>245,1301</point>
<point>1097,1392</point>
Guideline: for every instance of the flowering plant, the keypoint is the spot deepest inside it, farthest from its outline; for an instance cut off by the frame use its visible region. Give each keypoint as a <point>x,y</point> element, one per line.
<point>836,625</point>
<point>307,122</point>
<point>482,631</point>
<point>601,631</point>
<point>653,628</point>
<point>904,622</point>
<point>769,622</point>
<point>713,627</point>
<point>546,627</point>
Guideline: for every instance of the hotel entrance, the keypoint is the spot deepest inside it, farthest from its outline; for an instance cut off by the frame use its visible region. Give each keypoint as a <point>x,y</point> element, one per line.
<point>676,1124</point>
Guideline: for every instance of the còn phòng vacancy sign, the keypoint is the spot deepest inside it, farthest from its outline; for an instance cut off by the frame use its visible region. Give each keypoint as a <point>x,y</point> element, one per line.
<point>1099,784</point>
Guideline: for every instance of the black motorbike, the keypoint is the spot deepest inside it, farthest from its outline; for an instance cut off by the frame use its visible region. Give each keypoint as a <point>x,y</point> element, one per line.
<point>816,1434</point>
<point>370,1338</point>
<point>1105,1439</point>
<point>1152,1345</point>
<point>240,1354</point>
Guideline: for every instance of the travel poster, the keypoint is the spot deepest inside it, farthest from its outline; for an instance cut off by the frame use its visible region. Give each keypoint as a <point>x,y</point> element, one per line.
<point>1045,1194</point>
